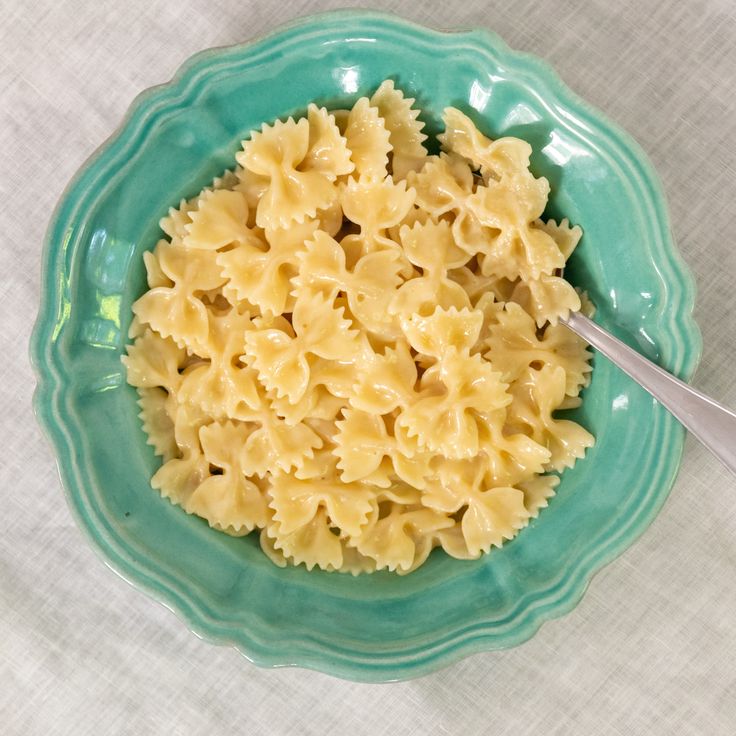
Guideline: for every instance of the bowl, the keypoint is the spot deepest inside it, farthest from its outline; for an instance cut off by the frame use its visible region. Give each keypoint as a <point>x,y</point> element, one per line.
<point>173,141</point>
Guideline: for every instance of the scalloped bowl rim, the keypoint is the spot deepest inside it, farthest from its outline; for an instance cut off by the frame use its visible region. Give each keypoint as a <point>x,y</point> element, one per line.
<point>409,662</point>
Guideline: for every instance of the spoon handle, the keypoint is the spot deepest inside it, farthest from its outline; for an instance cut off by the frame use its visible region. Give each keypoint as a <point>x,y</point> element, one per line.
<point>711,423</point>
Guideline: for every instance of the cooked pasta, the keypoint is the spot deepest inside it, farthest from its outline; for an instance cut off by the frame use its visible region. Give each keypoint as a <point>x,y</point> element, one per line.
<point>354,346</point>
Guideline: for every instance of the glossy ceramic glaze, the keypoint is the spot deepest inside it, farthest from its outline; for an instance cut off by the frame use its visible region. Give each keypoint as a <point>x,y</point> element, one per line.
<point>173,141</point>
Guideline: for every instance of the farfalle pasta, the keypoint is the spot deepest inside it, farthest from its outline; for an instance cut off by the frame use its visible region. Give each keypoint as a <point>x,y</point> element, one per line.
<point>353,346</point>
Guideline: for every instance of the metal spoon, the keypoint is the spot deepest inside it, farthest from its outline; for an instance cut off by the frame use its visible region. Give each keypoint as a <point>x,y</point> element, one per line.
<point>709,421</point>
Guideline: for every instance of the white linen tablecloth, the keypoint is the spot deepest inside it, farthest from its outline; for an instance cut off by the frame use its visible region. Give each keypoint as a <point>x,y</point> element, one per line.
<point>652,647</point>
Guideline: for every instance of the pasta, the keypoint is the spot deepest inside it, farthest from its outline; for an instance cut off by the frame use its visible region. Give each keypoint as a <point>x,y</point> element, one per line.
<point>353,346</point>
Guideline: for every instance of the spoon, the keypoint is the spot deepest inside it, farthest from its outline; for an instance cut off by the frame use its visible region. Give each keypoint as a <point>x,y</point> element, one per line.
<point>709,421</point>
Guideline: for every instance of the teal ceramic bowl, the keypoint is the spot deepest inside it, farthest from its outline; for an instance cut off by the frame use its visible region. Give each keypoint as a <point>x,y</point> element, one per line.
<point>173,141</point>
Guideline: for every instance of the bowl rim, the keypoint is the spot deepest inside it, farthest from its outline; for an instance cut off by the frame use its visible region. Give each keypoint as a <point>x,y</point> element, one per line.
<point>407,663</point>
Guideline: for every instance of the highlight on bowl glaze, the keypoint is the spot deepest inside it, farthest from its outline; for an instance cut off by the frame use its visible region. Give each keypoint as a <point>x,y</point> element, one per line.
<point>173,141</point>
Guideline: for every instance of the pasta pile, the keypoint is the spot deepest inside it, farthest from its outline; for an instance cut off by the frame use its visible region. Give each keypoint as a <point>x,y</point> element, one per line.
<point>353,346</point>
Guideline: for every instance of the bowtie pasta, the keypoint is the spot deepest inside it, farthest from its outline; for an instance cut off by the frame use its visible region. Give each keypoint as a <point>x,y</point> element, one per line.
<point>354,347</point>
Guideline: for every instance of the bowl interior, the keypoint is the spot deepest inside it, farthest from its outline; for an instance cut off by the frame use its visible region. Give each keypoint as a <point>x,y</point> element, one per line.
<point>174,141</point>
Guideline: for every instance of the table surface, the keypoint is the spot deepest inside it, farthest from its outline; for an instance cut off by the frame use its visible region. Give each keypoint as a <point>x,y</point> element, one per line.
<point>652,647</point>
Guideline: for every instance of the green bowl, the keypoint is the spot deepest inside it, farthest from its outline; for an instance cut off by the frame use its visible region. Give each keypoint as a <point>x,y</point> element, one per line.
<point>173,141</point>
